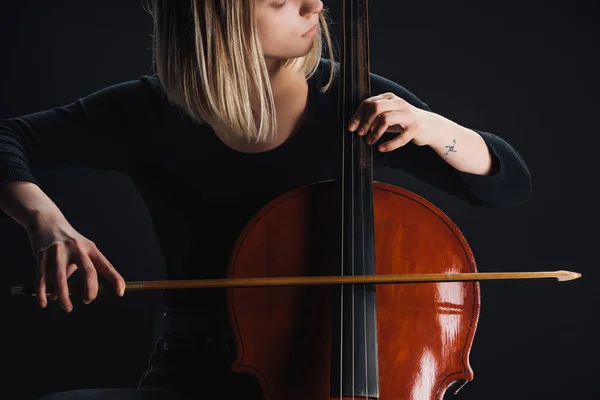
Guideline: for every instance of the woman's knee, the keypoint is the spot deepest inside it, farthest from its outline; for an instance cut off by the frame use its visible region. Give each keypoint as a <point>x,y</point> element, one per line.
<point>115,394</point>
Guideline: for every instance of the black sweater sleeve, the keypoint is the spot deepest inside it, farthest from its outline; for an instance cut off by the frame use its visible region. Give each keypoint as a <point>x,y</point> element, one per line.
<point>101,131</point>
<point>96,131</point>
<point>509,183</point>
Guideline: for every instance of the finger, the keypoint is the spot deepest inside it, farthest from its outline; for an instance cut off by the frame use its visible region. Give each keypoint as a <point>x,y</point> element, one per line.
<point>70,269</point>
<point>50,272</point>
<point>108,270</point>
<point>90,283</point>
<point>61,261</point>
<point>396,143</point>
<point>362,112</point>
<point>370,110</point>
<point>391,121</point>
<point>40,283</point>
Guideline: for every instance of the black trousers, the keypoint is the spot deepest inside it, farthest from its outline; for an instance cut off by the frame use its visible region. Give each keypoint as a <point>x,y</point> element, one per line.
<point>191,360</point>
<point>237,387</point>
<point>117,394</point>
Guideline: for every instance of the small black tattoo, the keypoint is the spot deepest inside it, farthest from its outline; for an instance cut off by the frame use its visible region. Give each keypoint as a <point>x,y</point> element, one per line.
<point>451,148</point>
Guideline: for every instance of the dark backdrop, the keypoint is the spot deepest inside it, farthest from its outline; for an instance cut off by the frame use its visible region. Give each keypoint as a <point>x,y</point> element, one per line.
<point>526,72</point>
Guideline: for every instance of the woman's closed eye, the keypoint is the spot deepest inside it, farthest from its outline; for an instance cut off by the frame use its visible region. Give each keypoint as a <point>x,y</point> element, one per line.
<point>280,5</point>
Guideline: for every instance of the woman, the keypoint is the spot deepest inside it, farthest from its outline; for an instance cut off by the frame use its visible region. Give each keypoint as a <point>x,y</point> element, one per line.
<point>239,111</point>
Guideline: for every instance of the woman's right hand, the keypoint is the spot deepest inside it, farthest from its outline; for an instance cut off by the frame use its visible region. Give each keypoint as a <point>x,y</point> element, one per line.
<point>61,250</point>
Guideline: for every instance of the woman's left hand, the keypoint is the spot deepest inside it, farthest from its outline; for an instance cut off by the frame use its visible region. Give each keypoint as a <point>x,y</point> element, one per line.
<point>390,113</point>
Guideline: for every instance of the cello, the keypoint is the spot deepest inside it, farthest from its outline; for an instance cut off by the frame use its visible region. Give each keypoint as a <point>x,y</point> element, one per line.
<point>309,293</point>
<point>353,340</point>
<point>356,340</point>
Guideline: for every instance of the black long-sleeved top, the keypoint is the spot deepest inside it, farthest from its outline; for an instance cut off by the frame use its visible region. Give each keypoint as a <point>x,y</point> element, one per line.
<point>201,193</point>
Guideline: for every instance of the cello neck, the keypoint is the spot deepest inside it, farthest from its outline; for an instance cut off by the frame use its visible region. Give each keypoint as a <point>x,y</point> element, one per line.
<point>354,363</point>
<point>357,157</point>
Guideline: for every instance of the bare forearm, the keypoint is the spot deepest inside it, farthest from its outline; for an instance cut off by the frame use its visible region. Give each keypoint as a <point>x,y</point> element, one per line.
<point>464,149</point>
<point>25,202</point>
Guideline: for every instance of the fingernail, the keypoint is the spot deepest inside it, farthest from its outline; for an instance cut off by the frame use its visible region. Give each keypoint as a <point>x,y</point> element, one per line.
<point>352,126</point>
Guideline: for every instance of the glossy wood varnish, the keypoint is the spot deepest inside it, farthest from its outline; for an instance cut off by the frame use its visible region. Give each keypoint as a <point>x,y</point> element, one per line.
<point>284,334</point>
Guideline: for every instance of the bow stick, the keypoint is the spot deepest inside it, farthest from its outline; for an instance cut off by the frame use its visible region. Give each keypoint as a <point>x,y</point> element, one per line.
<point>320,280</point>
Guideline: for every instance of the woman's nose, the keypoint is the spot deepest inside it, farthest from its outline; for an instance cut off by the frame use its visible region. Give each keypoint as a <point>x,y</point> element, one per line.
<point>312,7</point>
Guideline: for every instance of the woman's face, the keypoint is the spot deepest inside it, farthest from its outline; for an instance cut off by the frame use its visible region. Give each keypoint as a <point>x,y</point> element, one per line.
<point>283,26</point>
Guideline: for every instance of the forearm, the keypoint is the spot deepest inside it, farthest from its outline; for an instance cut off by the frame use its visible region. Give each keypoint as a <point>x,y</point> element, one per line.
<point>463,149</point>
<point>26,203</point>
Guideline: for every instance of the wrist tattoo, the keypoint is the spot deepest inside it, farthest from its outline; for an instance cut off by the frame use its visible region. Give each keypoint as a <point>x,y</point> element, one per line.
<point>450,148</point>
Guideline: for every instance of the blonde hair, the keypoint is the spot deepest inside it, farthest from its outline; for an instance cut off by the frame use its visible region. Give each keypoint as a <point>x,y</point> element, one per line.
<point>209,60</point>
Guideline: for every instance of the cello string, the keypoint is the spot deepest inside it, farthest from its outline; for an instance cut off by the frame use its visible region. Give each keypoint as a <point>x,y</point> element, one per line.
<point>371,219</point>
<point>362,211</point>
<point>352,221</point>
<point>364,305</point>
<point>341,110</point>
<point>353,191</point>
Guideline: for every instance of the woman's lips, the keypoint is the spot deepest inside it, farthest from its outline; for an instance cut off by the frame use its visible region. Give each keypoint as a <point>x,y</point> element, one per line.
<point>312,30</point>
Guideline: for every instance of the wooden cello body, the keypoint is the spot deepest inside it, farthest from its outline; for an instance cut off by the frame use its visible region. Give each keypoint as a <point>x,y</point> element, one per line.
<point>293,339</point>
<point>409,341</point>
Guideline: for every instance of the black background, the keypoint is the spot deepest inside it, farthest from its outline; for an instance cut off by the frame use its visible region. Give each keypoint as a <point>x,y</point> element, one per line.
<point>524,71</point>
